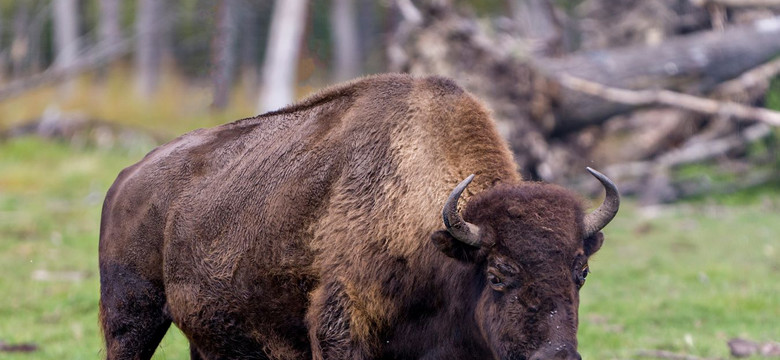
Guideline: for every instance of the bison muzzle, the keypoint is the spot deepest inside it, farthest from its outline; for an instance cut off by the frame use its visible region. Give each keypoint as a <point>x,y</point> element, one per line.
<point>324,230</point>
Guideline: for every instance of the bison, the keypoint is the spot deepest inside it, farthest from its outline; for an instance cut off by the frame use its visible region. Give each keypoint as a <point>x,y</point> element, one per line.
<point>324,230</point>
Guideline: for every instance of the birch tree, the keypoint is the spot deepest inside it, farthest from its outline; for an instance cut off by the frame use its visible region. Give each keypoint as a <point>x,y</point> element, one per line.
<point>66,40</point>
<point>20,44</point>
<point>281,57</point>
<point>148,46</point>
<point>108,24</point>
<point>345,40</point>
<point>224,52</point>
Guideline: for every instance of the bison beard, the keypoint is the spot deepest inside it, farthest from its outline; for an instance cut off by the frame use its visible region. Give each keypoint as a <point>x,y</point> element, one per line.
<point>316,231</point>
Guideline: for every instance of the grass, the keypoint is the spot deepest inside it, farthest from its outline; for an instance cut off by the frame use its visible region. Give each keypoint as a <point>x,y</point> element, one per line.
<point>685,279</point>
<point>50,198</point>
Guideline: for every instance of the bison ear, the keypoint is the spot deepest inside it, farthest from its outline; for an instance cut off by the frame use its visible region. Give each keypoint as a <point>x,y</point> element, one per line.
<point>452,247</point>
<point>593,243</point>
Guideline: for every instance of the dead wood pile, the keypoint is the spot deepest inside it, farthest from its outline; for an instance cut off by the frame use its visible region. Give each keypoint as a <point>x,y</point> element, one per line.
<point>695,74</point>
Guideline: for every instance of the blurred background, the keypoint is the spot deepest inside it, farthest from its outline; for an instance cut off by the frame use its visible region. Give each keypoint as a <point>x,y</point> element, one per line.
<point>675,100</point>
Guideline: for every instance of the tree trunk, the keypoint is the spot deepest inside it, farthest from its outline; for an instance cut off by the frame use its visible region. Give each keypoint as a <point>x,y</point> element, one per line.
<point>36,41</point>
<point>65,32</point>
<point>537,24</point>
<point>224,52</point>
<point>250,40</point>
<point>108,27</point>
<point>368,24</point>
<point>281,57</point>
<point>66,37</point>
<point>694,63</point>
<point>148,46</point>
<point>345,40</point>
<point>2,53</point>
<point>20,45</point>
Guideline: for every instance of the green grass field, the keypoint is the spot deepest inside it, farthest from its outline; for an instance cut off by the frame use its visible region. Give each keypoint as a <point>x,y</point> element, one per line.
<point>685,279</point>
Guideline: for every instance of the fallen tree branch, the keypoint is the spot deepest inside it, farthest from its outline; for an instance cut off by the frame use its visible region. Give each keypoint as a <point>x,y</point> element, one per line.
<point>55,73</point>
<point>694,63</point>
<point>700,151</point>
<point>738,3</point>
<point>17,347</point>
<point>670,355</point>
<point>745,348</point>
<point>695,152</point>
<point>698,104</point>
<point>751,78</point>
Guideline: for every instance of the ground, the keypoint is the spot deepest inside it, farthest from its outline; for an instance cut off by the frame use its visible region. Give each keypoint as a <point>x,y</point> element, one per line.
<point>684,278</point>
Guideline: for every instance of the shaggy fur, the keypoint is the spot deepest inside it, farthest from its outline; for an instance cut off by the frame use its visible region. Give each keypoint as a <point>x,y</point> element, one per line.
<point>315,232</point>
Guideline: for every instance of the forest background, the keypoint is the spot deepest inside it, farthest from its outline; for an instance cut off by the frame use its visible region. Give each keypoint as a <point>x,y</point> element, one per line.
<point>675,100</point>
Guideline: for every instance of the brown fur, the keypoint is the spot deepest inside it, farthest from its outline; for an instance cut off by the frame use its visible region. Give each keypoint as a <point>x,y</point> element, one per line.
<point>311,232</point>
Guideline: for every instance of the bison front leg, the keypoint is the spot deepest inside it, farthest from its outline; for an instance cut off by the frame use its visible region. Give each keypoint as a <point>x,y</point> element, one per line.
<point>331,331</point>
<point>132,313</point>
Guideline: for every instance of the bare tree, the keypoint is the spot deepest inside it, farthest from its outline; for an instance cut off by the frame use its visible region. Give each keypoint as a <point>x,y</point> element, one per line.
<point>368,34</point>
<point>23,55</point>
<point>66,31</point>
<point>20,44</point>
<point>2,53</point>
<point>148,51</point>
<point>537,23</point>
<point>345,39</point>
<point>36,41</point>
<point>224,52</point>
<point>250,39</point>
<point>65,20</point>
<point>281,57</point>
<point>109,29</point>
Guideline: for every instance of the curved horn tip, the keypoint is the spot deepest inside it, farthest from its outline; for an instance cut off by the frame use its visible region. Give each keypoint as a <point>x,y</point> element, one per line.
<point>600,217</point>
<point>466,181</point>
<point>456,226</point>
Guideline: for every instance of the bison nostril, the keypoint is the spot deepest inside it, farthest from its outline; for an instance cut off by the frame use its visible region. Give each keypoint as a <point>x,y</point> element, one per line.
<point>567,355</point>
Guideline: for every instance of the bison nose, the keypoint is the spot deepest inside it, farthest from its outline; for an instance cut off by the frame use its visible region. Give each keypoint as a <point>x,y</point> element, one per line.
<point>557,352</point>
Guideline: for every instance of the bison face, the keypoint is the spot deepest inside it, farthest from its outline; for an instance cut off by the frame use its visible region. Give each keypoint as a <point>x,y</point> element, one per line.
<point>529,245</point>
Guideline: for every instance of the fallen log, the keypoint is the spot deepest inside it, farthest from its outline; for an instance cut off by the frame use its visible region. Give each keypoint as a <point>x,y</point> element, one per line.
<point>636,98</point>
<point>743,348</point>
<point>661,354</point>
<point>691,64</point>
<point>692,153</point>
<point>54,74</point>
<point>80,130</point>
<point>739,3</point>
<point>22,348</point>
<point>536,114</point>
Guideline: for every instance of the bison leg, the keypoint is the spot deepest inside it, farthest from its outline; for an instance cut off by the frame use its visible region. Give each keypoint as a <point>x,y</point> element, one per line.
<point>132,313</point>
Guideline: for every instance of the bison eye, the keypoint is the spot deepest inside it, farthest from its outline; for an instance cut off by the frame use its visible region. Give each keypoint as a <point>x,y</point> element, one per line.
<point>495,281</point>
<point>582,276</point>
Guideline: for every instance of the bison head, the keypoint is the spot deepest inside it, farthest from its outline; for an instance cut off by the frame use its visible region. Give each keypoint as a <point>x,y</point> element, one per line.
<point>528,247</point>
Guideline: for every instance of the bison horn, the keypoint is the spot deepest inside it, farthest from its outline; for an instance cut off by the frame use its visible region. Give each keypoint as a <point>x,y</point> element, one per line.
<point>599,218</point>
<point>461,230</point>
